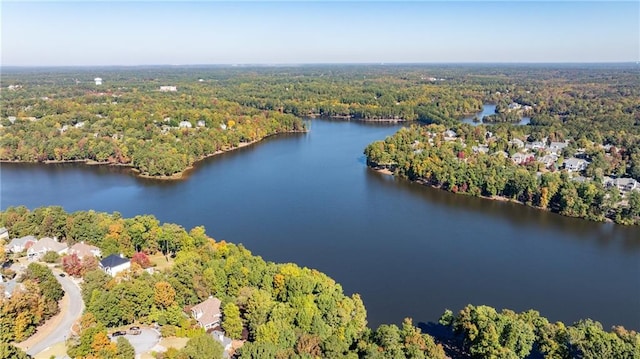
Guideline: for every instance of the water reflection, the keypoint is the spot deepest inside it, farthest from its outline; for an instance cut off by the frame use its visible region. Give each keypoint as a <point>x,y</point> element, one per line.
<point>522,217</point>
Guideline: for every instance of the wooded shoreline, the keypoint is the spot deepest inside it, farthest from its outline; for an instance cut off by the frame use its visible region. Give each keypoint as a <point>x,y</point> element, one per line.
<point>176,176</point>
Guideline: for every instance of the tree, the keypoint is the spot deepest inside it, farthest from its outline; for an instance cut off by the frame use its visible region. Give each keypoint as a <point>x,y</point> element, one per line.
<point>50,257</point>
<point>231,321</point>
<point>164,295</point>
<point>203,347</point>
<point>8,351</point>
<point>141,259</point>
<point>72,265</point>
<point>124,349</point>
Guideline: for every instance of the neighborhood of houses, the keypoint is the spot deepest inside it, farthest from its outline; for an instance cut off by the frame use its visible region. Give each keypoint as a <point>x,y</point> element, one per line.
<point>545,152</point>
<point>206,314</point>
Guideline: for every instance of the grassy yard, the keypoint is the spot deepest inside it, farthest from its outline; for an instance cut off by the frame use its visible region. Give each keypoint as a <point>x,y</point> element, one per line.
<point>160,262</point>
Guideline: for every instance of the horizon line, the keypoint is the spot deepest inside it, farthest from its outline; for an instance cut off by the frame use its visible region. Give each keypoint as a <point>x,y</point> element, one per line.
<point>378,63</point>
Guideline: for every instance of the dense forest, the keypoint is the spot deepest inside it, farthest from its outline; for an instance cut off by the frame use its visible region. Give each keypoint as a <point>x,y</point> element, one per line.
<point>279,310</point>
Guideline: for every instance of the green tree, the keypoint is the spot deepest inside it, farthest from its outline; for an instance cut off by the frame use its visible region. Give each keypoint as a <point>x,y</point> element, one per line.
<point>8,351</point>
<point>202,347</point>
<point>231,321</point>
<point>125,349</point>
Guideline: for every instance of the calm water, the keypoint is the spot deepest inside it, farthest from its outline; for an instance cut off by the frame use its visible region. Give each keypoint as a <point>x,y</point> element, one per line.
<point>490,110</point>
<point>411,251</point>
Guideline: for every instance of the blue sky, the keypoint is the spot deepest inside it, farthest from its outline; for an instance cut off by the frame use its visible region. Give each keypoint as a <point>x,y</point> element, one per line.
<point>158,32</point>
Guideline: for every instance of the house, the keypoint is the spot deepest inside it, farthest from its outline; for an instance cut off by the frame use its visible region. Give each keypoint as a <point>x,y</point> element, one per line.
<point>10,287</point>
<point>548,160</point>
<point>168,88</point>
<point>82,250</point>
<point>201,123</point>
<point>207,313</point>
<point>480,149</point>
<point>4,233</point>
<point>79,124</point>
<point>450,135</point>
<point>623,184</point>
<point>98,81</point>
<point>517,142</point>
<point>575,164</point>
<point>45,245</point>
<point>18,245</point>
<point>535,145</point>
<point>557,147</point>
<point>520,158</point>
<point>185,124</point>
<point>115,264</point>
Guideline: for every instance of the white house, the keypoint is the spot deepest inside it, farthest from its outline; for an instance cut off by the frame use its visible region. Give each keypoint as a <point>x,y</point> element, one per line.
<point>575,164</point>
<point>185,124</point>
<point>115,264</point>
<point>45,245</point>
<point>168,88</point>
<point>4,233</point>
<point>98,81</point>
<point>18,245</point>
<point>207,313</point>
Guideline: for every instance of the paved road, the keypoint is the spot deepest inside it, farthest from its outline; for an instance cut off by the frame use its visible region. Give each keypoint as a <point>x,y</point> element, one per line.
<point>70,314</point>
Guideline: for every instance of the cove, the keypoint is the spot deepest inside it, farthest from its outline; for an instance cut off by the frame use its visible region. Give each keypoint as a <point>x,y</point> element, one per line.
<point>488,109</point>
<point>409,250</point>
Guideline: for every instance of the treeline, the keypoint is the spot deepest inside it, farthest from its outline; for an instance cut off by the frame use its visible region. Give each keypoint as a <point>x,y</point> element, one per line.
<point>283,310</point>
<point>61,115</point>
<point>486,333</point>
<point>423,154</point>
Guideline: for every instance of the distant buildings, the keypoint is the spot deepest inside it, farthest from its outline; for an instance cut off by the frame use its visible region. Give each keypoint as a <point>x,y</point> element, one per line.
<point>98,81</point>
<point>168,89</point>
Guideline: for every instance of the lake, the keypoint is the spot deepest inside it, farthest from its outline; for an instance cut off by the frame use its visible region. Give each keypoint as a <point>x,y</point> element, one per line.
<point>487,110</point>
<point>409,250</point>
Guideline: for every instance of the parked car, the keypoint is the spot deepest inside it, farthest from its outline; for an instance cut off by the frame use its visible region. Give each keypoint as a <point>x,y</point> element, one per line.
<point>119,333</point>
<point>63,275</point>
<point>135,330</point>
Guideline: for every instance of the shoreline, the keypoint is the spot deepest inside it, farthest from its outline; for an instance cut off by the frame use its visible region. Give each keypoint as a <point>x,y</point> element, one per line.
<point>388,172</point>
<point>176,176</point>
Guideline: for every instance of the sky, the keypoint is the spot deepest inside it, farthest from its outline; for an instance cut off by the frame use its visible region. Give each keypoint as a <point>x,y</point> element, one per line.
<point>103,33</point>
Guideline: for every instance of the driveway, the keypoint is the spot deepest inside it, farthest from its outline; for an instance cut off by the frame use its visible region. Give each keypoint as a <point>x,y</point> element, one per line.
<point>70,313</point>
<point>143,342</point>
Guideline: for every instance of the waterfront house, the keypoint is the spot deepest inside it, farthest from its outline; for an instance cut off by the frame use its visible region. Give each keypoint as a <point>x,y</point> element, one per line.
<point>115,264</point>
<point>45,245</point>
<point>207,313</point>
<point>18,245</point>
<point>83,250</point>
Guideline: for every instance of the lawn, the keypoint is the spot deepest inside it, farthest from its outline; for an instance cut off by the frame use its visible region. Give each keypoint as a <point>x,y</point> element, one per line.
<point>160,262</point>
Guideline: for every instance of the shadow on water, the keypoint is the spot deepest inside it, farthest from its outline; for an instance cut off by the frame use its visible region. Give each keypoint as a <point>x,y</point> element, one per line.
<point>518,215</point>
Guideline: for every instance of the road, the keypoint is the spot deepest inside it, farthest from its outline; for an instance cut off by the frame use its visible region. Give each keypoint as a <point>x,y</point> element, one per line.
<point>70,314</point>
